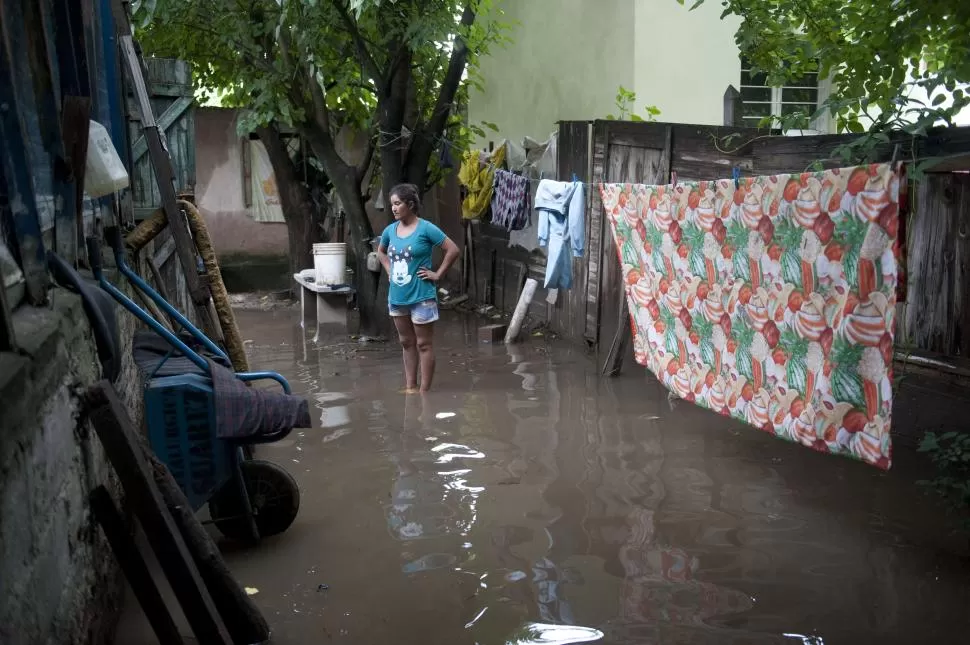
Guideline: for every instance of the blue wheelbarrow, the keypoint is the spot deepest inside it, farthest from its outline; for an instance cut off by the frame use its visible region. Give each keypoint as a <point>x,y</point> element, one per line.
<point>185,374</point>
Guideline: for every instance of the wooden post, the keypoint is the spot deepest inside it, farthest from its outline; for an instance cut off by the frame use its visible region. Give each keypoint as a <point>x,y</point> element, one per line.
<point>134,566</point>
<point>245,622</point>
<point>733,107</point>
<point>164,175</point>
<point>938,308</point>
<point>8,337</point>
<point>75,123</point>
<point>124,449</point>
<point>614,359</point>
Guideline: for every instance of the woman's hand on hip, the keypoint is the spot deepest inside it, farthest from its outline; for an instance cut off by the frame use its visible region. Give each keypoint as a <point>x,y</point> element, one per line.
<point>429,275</point>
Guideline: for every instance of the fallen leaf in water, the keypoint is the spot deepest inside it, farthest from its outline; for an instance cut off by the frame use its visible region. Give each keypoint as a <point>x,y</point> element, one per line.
<point>251,591</point>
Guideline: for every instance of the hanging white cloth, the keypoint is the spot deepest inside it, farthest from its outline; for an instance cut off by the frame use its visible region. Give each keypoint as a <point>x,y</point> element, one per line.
<point>266,198</point>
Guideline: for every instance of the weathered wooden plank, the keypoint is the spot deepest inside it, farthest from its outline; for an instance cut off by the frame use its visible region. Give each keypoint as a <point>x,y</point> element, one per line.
<point>587,311</point>
<point>165,252</point>
<point>733,106</point>
<point>169,76</point>
<point>171,98</point>
<point>134,566</point>
<point>626,164</point>
<point>573,158</point>
<point>243,619</point>
<point>932,266</point>
<point>8,336</point>
<point>75,119</point>
<point>167,119</point>
<point>958,195</point>
<point>110,419</point>
<point>18,165</point>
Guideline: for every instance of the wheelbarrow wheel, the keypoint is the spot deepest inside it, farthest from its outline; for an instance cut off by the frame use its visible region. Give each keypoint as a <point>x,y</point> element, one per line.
<point>273,494</point>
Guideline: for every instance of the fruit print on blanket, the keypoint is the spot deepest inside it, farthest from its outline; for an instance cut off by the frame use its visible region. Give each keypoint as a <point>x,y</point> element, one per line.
<point>772,303</point>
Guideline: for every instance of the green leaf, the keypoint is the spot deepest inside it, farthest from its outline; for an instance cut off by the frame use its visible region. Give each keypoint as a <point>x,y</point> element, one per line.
<point>873,53</point>
<point>797,375</point>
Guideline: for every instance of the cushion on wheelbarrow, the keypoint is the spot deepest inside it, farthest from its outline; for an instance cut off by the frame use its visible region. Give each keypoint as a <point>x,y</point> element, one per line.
<point>155,357</point>
<point>241,411</point>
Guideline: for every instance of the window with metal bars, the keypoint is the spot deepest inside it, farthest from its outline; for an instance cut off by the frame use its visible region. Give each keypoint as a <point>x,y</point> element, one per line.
<point>761,100</point>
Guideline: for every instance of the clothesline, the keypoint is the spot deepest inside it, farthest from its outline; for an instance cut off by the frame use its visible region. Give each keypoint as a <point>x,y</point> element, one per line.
<point>532,180</point>
<point>595,184</point>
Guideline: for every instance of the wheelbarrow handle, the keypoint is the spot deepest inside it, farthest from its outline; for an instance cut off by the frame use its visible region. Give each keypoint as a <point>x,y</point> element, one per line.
<point>113,233</point>
<point>246,377</point>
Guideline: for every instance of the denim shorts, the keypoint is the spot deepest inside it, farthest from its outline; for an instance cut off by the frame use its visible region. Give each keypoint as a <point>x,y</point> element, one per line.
<point>421,313</point>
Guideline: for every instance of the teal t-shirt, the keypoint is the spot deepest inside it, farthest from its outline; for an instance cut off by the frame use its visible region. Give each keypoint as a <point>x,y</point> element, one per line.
<point>407,255</point>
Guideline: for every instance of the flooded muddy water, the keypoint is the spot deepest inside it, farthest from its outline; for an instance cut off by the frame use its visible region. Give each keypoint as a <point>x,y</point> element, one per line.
<point>529,500</point>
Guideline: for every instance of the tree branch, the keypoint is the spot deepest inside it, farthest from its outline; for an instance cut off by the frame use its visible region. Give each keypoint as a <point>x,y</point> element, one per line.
<point>429,135</point>
<point>321,114</point>
<point>370,65</point>
<point>368,159</point>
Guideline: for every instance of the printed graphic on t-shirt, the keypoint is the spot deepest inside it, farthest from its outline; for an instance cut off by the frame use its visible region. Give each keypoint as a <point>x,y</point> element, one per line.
<point>399,265</point>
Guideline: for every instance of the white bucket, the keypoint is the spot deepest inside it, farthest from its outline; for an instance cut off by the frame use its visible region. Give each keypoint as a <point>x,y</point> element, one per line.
<point>330,262</point>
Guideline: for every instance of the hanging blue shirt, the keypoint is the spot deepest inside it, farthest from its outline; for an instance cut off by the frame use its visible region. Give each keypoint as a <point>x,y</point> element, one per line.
<point>407,255</point>
<point>562,224</point>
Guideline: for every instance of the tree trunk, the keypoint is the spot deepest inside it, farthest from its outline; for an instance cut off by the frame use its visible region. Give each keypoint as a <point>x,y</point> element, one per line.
<point>374,317</point>
<point>392,111</point>
<point>428,136</point>
<point>303,220</point>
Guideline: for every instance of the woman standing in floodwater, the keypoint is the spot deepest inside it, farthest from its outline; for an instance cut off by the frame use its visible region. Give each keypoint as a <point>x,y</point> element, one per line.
<point>405,253</point>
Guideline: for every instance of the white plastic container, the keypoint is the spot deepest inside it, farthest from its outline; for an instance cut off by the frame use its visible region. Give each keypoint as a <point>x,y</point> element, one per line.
<point>105,174</point>
<point>330,262</point>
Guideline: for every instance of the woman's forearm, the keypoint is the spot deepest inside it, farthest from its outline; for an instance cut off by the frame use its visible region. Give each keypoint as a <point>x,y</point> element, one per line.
<point>451,255</point>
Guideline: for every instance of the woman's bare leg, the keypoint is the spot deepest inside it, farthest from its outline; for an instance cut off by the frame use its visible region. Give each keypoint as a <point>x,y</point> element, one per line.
<point>409,344</point>
<point>425,338</point>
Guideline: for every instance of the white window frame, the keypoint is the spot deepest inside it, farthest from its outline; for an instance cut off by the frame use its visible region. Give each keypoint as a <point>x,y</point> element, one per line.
<point>776,102</point>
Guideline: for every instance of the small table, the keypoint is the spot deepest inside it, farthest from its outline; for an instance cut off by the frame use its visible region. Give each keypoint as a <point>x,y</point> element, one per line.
<point>323,305</point>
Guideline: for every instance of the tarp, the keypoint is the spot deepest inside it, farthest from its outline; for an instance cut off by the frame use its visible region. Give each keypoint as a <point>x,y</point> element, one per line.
<point>772,302</point>
<point>266,197</point>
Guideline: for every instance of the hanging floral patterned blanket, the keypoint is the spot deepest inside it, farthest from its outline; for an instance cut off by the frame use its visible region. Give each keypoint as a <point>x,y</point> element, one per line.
<point>772,301</point>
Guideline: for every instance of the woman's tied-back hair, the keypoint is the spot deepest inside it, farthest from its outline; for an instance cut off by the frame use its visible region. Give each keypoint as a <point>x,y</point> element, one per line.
<point>407,193</point>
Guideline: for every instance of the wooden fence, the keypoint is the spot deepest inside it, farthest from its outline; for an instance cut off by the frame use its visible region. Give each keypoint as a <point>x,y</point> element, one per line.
<point>614,151</point>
